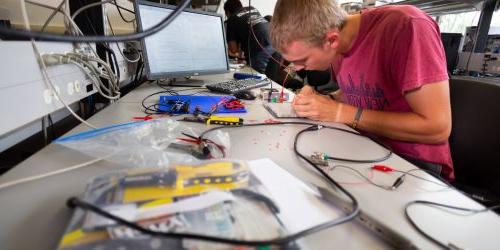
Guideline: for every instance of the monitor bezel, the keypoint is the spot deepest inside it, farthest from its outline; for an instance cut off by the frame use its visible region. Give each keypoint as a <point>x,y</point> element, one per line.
<point>177,74</point>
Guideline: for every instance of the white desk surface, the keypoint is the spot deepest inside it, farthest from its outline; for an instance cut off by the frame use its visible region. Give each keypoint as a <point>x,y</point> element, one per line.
<point>34,215</point>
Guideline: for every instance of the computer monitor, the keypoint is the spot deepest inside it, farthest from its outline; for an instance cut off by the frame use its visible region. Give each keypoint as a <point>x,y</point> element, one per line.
<point>451,44</point>
<point>193,44</point>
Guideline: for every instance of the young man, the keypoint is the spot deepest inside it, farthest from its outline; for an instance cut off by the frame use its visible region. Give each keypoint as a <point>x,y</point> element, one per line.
<point>239,34</point>
<point>390,65</point>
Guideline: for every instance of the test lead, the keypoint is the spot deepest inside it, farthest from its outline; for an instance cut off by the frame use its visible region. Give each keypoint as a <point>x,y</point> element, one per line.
<point>398,181</point>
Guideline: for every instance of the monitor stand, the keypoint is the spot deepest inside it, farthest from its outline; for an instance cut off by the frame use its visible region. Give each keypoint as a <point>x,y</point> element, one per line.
<point>186,82</point>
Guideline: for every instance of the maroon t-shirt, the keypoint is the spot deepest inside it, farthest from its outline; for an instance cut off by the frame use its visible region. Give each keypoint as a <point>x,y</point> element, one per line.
<point>398,49</point>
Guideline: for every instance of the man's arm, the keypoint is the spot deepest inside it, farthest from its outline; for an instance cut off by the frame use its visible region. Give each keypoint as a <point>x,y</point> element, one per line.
<point>234,49</point>
<point>429,122</point>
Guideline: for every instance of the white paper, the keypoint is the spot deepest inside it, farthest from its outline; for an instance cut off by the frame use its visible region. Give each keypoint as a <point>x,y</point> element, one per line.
<point>186,205</point>
<point>300,206</point>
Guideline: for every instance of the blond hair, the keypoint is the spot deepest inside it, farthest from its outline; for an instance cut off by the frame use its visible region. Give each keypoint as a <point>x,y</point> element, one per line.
<point>307,20</point>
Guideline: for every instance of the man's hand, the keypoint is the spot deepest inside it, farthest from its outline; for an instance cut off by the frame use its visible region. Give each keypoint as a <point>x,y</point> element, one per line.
<point>316,107</point>
<point>338,95</point>
<point>307,90</point>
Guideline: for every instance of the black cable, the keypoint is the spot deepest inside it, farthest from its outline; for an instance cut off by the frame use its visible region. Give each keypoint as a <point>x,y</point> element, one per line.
<point>141,72</point>
<point>412,222</point>
<point>115,60</point>
<point>153,109</point>
<point>387,156</point>
<point>90,22</point>
<point>319,127</point>
<point>137,69</point>
<point>275,124</point>
<point>43,36</point>
<point>75,202</point>
<point>430,203</point>
<point>112,55</point>
<point>364,177</point>
<point>248,39</point>
<point>449,185</point>
<point>122,8</point>
<point>120,12</point>
<point>118,45</point>
<point>404,173</point>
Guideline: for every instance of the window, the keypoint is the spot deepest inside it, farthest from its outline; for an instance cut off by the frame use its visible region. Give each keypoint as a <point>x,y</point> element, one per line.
<point>457,23</point>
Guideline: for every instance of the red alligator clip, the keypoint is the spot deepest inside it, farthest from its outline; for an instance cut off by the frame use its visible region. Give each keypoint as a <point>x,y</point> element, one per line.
<point>234,104</point>
<point>382,168</point>
<point>144,118</point>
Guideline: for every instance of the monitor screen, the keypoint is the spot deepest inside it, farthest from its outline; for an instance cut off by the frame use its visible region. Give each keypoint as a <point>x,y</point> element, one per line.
<point>193,44</point>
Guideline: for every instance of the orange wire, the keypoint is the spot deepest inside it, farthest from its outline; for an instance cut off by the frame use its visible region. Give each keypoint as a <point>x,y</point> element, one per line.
<point>265,51</point>
<point>283,87</point>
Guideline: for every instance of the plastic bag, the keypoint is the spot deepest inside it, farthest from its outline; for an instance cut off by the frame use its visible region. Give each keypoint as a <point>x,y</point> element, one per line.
<point>215,198</point>
<point>154,143</point>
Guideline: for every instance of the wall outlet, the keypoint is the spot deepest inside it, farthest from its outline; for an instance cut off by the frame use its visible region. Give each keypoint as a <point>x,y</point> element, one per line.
<point>70,88</point>
<point>47,96</point>
<point>78,86</point>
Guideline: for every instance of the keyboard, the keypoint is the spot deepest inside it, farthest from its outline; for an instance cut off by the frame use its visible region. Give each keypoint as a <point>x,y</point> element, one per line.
<point>234,86</point>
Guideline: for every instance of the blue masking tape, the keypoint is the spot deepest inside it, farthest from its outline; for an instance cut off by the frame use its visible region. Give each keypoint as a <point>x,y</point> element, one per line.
<point>239,75</point>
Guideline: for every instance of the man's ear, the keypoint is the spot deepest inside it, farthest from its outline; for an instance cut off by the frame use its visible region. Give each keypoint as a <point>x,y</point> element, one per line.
<point>332,39</point>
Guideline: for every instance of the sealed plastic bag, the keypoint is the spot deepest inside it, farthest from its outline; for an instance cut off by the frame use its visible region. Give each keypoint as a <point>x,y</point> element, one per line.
<point>154,143</point>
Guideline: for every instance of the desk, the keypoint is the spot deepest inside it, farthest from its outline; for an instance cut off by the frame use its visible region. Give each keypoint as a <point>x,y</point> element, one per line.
<point>490,80</point>
<point>34,215</point>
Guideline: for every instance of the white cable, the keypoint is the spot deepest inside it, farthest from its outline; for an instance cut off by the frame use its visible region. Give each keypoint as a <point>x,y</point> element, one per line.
<point>60,171</point>
<point>114,79</point>
<point>92,68</point>
<point>77,60</point>
<point>47,80</point>
<point>72,23</point>
<point>95,84</point>
<point>97,72</point>
<point>44,67</point>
